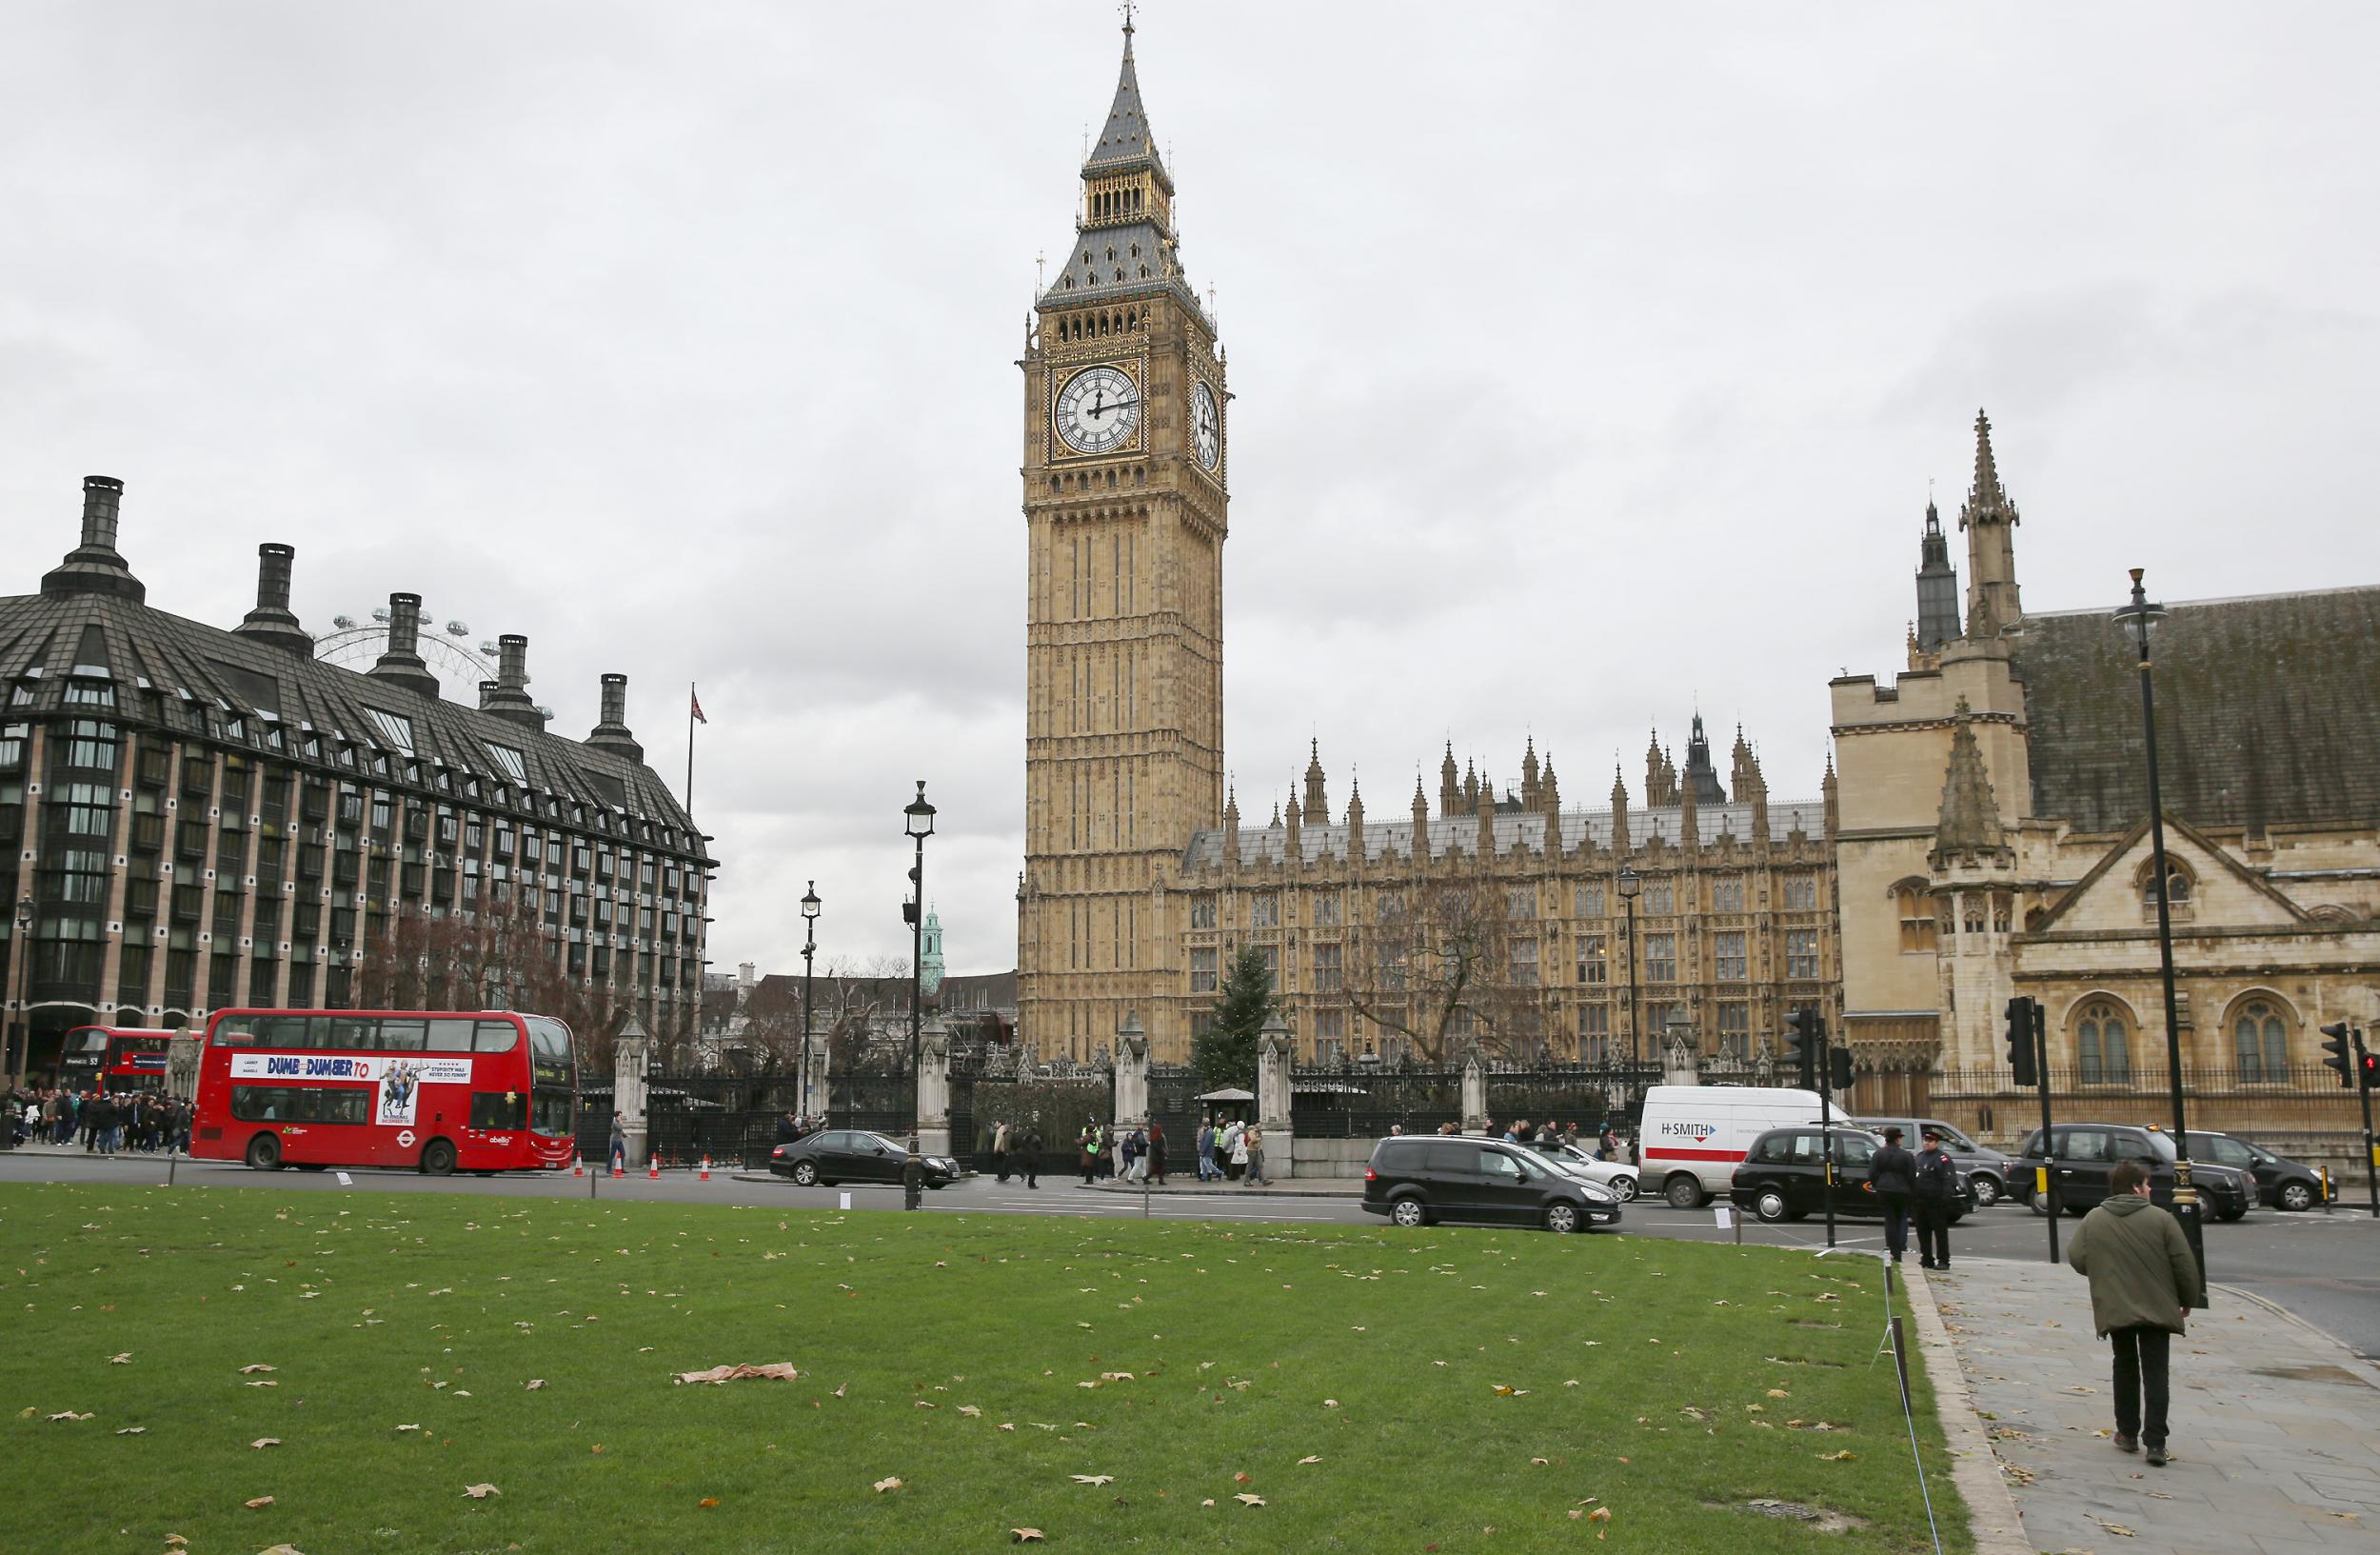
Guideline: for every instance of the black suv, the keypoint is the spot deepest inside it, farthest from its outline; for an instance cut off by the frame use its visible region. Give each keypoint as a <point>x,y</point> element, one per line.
<point>1782,1176</point>
<point>1985,1170</point>
<point>1416,1181</point>
<point>853,1155</point>
<point>2085,1153</point>
<point>2280,1182</point>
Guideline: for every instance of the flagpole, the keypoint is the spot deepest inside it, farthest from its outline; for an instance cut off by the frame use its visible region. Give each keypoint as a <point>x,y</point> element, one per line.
<point>691,705</point>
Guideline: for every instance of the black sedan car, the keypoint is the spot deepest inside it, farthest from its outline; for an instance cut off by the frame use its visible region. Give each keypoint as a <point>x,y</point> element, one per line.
<point>853,1155</point>
<point>2281,1183</point>
<point>2083,1155</point>
<point>1783,1176</point>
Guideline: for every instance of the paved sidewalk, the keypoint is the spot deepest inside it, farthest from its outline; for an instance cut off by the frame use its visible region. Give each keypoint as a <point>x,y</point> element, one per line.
<point>2275,1426</point>
<point>1182,1187</point>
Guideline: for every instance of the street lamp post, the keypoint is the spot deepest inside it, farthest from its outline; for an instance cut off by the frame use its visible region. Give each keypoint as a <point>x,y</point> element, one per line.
<point>20,1049</point>
<point>809,952</point>
<point>1629,884</point>
<point>919,823</point>
<point>2140,616</point>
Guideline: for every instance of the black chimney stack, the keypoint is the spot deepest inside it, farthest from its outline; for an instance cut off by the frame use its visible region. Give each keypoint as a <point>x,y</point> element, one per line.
<point>402,665</point>
<point>271,621</point>
<point>612,733</point>
<point>95,567</point>
<point>511,698</point>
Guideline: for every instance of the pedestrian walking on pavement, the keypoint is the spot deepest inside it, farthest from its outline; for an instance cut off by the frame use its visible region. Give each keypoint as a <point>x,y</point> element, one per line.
<point>1938,1196</point>
<point>619,1147</point>
<point>1132,1148</point>
<point>1030,1149</point>
<point>1156,1153</point>
<point>1236,1148</point>
<point>1893,1174</point>
<point>1089,1142</point>
<point>2143,1282</point>
<point>1000,1150</point>
<point>1253,1143</point>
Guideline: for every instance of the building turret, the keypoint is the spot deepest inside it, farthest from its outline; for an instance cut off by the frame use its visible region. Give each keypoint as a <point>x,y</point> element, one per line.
<point>1355,823</point>
<point>1231,828</point>
<point>1486,810</point>
<point>1968,829</point>
<point>1420,821</point>
<point>1989,519</point>
<point>1619,813</point>
<point>1701,778</point>
<point>1449,785</point>
<point>1316,805</point>
<point>1550,801</point>
<point>1937,586</point>
<point>1293,847</point>
<point>1529,775</point>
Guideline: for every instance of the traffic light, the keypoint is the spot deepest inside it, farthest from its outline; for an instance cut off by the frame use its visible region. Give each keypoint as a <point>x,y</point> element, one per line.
<point>2020,1041</point>
<point>1838,1064</point>
<point>2367,1065</point>
<point>2337,1050</point>
<point>1802,1045</point>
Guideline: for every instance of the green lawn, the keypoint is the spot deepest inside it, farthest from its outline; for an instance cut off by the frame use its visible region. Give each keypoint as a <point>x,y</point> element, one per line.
<point>1668,1382</point>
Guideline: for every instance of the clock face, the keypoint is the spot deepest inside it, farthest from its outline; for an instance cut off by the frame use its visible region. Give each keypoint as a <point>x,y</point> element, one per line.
<point>1098,411</point>
<point>1206,426</point>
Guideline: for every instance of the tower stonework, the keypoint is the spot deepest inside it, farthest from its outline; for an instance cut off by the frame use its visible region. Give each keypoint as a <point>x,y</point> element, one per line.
<point>1124,502</point>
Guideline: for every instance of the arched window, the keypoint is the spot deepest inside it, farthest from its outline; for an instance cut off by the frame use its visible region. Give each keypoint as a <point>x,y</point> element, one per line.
<point>2260,1041</point>
<point>2102,1047</point>
<point>1917,914</point>
<point>2178,887</point>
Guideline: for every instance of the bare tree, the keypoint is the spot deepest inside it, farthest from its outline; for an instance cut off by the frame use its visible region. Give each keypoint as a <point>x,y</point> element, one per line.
<point>499,956</point>
<point>863,1009</point>
<point>1438,969</point>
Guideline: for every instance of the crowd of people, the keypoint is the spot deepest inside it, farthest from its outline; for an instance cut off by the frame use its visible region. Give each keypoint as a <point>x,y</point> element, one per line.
<point>105,1122</point>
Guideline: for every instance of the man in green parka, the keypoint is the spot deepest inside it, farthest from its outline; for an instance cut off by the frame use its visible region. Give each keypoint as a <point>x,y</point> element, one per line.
<point>2143,1282</point>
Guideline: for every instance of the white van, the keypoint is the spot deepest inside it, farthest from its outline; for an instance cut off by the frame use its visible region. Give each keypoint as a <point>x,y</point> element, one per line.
<point>1693,1136</point>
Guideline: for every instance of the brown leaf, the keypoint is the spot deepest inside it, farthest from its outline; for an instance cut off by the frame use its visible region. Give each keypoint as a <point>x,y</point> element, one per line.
<point>68,1414</point>
<point>779,1371</point>
<point>1303,1461</point>
<point>969,1410</point>
<point>1601,1514</point>
<point>265,1442</point>
<point>882,1485</point>
<point>258,1505</point>
<point>533,1384</point>
<point>1208,1503</point>
<point>1246,1500</point>
<point>1241,1478</point>
<point>1330,1404</point>
<point>258,1366</point>
<point>1843,1457</point>
<point>1026,1536</point>
<point>176,1540</point>
<point>123,1360</point>
<point>1094,1479</point>
<point>839,1391</point>
<point>1007,1424</point>
<point>480,1493</point>
<point>707,1500</point>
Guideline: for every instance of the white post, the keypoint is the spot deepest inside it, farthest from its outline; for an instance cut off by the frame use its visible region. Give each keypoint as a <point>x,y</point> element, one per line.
<point>1474,1112</point>
<point>934,1088</point>
<point>631,1055</point>
<point>1276,1053</point>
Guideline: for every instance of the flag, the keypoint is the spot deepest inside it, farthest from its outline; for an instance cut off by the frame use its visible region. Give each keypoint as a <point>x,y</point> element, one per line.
<point>696,705</point>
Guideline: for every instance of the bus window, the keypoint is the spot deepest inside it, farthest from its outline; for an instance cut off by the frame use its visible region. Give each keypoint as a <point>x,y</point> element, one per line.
<point>283,1031</point>
<point>498,1110</point>
<point>404,1036</point>
<point>549,1050</point>
<point>553,1113</point>
<point>349,1034</point>
<point>497,1037</point>
<point>451,1036</point>
<point>235,1034</point>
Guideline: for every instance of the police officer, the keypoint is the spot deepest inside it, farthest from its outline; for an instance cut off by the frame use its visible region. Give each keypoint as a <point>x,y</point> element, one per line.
<point>1937,1195</point>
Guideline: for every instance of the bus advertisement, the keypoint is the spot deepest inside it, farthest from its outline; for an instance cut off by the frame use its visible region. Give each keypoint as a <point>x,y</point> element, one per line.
<point>115,1058</point>
<point>436,1091</point>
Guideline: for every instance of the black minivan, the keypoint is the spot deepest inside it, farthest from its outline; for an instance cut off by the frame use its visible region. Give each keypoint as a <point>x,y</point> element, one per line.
<point>2086,1153</point>
<point>1438,1177</point>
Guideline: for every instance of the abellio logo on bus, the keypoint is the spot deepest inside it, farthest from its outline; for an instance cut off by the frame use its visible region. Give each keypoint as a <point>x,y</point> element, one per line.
<point>1691,1132</point>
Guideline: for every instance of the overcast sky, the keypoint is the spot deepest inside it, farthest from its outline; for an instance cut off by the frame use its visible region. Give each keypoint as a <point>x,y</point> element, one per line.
<point>1591,361</point>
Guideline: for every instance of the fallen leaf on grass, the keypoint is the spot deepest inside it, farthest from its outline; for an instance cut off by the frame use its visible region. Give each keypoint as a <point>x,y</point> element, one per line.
<point>969,1410</point>
<point>1843,1457</point>
<point>1601,1514</point>
<point>2116,1528</point>
<point>269,1382</point>
<point>533,1384</point>
<point>1246,1500</point>
<point>265,1442</point>
<point>258,1366</point>
<point>1007,1424</point>
<point>1303,1461</point>
<point>927,1403</point>
<point>123,1360</point>
<point>1094,1479</point>
<point>1504,1393</point>
<point>1026,1536</point>
<point>283,1549</point>
<point>781,1370</point>
<point>1541,1463</point>
<point>68,1414</point>
<point>258,1505</point>
<point>176,1540</point>
<point>882,1485</point>
<point>1330,1404</point>
<point>839,1391</point>
<point>1778,1394</point>
<point>1208,1503</point>
<point>480,1493</point>
<point>1240,1479</point>
<point>707,1500</point>
<point>1115,1376</point>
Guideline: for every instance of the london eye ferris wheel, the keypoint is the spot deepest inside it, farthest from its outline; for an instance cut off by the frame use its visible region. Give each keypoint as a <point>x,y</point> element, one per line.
<point>459,664</point>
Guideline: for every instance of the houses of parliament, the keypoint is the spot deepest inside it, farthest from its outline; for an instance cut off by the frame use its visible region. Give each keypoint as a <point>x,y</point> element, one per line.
<point>1142,881</point>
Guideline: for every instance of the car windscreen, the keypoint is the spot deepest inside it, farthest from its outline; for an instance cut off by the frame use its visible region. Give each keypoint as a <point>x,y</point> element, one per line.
<point>2161,1147</point>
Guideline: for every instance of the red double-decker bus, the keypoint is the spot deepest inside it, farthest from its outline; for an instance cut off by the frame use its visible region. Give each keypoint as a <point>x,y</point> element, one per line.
<point>115,1058</point>
<point>438,1091</point>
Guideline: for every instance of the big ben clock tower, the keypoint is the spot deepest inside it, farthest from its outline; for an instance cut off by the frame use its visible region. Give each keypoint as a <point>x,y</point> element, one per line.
<point>1125,459</point>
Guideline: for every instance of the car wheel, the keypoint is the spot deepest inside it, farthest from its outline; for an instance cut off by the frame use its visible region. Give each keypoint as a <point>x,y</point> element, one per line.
<point>438,1158</point>
<point>263,1152</point>
<point>1684,1191</point>
<point>1987,1189</point>
<point>1624,1189</point>
<point>937,1187</point>
<point>805,1173</point>
<point>2226,1216</point>
<point>1770,1206</point>
<point>1561,1219</point>
<point>2295,1196</point>
<point>2038,1204</point>
<point>1409,1213</point>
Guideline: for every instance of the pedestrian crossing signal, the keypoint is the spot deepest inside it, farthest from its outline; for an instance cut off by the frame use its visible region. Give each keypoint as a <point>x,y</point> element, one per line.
<point>2020,1053</point>
<point>2337,1055</point>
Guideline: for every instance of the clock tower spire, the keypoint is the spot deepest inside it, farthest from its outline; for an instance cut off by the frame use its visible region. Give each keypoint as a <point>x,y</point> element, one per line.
<point>1125,505</point>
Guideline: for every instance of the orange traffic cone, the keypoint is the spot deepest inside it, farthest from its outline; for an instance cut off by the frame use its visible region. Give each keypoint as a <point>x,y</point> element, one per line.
<point>652,1167</point>
<point>706,1168</point>
<point>578,1167</point>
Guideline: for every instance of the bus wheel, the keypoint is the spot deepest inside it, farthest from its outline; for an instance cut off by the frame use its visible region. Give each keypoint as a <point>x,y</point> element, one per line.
<point>438,1158</point>
<point>263,1152</point>
<point>312,1165</point>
